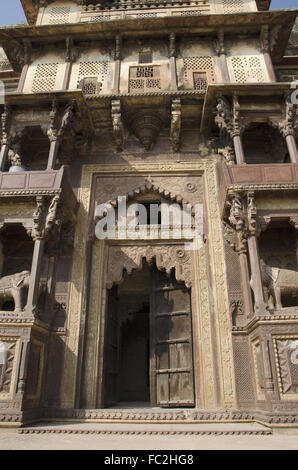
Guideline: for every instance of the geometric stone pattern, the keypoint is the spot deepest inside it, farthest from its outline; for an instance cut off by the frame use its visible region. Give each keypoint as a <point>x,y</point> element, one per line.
<point>44,77</point>
<point>247,69</point>
<point>286,356</point>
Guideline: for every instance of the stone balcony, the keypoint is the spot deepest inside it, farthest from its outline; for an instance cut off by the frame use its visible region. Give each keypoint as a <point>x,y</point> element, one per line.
<point>263,177</point>
<point>26,185</point>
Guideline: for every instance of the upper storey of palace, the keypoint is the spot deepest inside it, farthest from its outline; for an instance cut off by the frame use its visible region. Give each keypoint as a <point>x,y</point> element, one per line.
<point>143,35</point>
<point>56,12</point>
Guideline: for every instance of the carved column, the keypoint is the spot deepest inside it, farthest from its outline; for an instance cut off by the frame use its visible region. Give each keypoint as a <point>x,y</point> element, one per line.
<point>70,58</point>
<point>253,249</point>
<point>172,56</point>
<point>176,124</point>
<point>39,242</point>
<point>287,126</point>
<point>58,125</point>
<point>236,218</point>
<point>222,54</point>
<point>118,127</point>
<point>5,139</point>
<point>26,59</point>
<point>265,49</point>
<point>230,122</point>
<point>117,57</point>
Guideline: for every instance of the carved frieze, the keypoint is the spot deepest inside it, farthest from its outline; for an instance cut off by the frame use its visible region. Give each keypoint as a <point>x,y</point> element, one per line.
<point>130,258</point>
<point>286,357</point>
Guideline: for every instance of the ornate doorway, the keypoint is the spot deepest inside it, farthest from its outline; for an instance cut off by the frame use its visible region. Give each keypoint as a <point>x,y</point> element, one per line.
<point>148,354</point>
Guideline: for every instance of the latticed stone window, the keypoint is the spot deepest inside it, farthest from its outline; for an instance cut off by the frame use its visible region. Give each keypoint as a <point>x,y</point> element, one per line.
<point>45,77</point>
<point>247,69</point>
<point>59,14</point>
<point>91,76</point>
<point>233,6</point>
<point>144,79</point>
<point>90,86</point>
<point>200,81</point>
<point>199,71</point>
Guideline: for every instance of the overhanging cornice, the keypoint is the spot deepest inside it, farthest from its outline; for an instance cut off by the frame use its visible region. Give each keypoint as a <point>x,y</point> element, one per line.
<point>240,23</point>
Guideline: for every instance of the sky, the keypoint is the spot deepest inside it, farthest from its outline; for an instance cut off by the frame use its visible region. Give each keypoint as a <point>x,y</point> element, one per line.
<point>11,10</point>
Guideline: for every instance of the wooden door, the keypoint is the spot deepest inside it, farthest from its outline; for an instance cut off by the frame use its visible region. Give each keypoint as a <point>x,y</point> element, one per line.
<point>171,355</point>
<point>111,362</point>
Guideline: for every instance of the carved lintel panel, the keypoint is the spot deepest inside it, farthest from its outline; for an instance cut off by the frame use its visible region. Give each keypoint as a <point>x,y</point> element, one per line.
<point>286,358</point>
<point>130,258</point>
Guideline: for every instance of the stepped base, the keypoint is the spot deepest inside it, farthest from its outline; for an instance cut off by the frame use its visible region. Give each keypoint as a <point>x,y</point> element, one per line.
<point>148,429</point>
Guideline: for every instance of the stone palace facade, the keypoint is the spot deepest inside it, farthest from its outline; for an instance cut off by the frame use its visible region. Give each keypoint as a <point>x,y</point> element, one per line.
<point>155,102</point>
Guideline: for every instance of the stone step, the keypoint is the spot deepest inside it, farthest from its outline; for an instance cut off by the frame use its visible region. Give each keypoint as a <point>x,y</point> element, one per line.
<point>148,428</point>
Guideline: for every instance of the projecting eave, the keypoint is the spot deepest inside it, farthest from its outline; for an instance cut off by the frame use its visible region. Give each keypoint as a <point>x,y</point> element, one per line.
<point>280,22</point>
<point>252,90</point>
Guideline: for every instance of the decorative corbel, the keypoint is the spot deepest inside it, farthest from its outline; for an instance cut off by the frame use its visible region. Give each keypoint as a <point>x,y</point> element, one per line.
<point>118,127</point>
<point>265,39</point>
<point>176,124</point>
<point>66,118</point>
<point>52,131</point>
<point>219,44</point>
<point>39,217</point>
<point>237,220</point>
<point>5,124</point>
<point>71,52</point>
<point>287,125</point>
<point>53,218</point>
<point>118,47</point>
<point>228,154</point>
<point>253,227</point>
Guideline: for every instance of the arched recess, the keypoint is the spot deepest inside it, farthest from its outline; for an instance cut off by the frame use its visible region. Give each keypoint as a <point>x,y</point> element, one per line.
<point>152,296</point>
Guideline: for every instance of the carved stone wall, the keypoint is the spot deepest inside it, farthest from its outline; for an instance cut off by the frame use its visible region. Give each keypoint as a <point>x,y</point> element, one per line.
<point>220,331</point>
<point>286,359</point>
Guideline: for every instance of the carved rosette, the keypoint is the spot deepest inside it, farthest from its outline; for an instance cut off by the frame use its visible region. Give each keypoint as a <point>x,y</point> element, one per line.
<point>130,258</point>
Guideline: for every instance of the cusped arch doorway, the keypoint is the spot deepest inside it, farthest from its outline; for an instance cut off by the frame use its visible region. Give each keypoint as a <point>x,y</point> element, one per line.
<point>148,350</point>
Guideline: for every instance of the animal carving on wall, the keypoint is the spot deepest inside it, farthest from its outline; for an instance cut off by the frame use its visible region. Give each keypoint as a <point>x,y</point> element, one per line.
<point>13,287</point>
<point>276,281</point>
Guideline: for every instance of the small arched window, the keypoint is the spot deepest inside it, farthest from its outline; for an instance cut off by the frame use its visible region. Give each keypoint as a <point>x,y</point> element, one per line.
<point>3,358</point>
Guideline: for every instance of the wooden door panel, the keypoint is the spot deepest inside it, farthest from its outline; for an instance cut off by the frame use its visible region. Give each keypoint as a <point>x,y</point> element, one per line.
<point>111,384</point>
<point>171,343</point>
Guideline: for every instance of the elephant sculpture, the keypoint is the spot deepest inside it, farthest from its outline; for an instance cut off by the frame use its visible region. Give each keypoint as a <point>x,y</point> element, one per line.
<point>277,281</point>
<point>13,286</point>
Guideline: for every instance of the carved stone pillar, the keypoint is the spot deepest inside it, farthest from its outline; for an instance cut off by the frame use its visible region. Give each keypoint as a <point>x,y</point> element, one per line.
<point>33,291</point>
<point>118,127</point>
<point>253,249</point>
<point>265,48</point>
<point>222,54</point>
<point>236,218</point>
<point>230,122</point>
<point>172,56</point>
<point>287,126</point>
<point>70,59</point>
<point>268,375</point>
<point>58,125</point>
<point>118,50</point>
<point>176,124</point>
<point>26,59</point>
<point>5,138</point>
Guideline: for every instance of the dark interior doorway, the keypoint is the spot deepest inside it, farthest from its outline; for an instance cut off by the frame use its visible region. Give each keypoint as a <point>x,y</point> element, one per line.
<point>148,358</point>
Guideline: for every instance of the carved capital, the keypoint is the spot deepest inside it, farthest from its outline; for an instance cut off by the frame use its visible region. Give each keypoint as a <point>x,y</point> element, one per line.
<point>265,39</point>
<point>5,124</point>
<point>219,45</point>
<point>118,127</point>
<point>118,47</point>
<point>172,45</point>
<point>176,124</point>
<point>228,117</point>
<point>289,120</point>
<point>253,227</point>
<point>39,217</point>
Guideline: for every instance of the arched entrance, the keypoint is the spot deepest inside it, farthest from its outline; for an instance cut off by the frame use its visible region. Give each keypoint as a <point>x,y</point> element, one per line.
<point>148,354</point>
